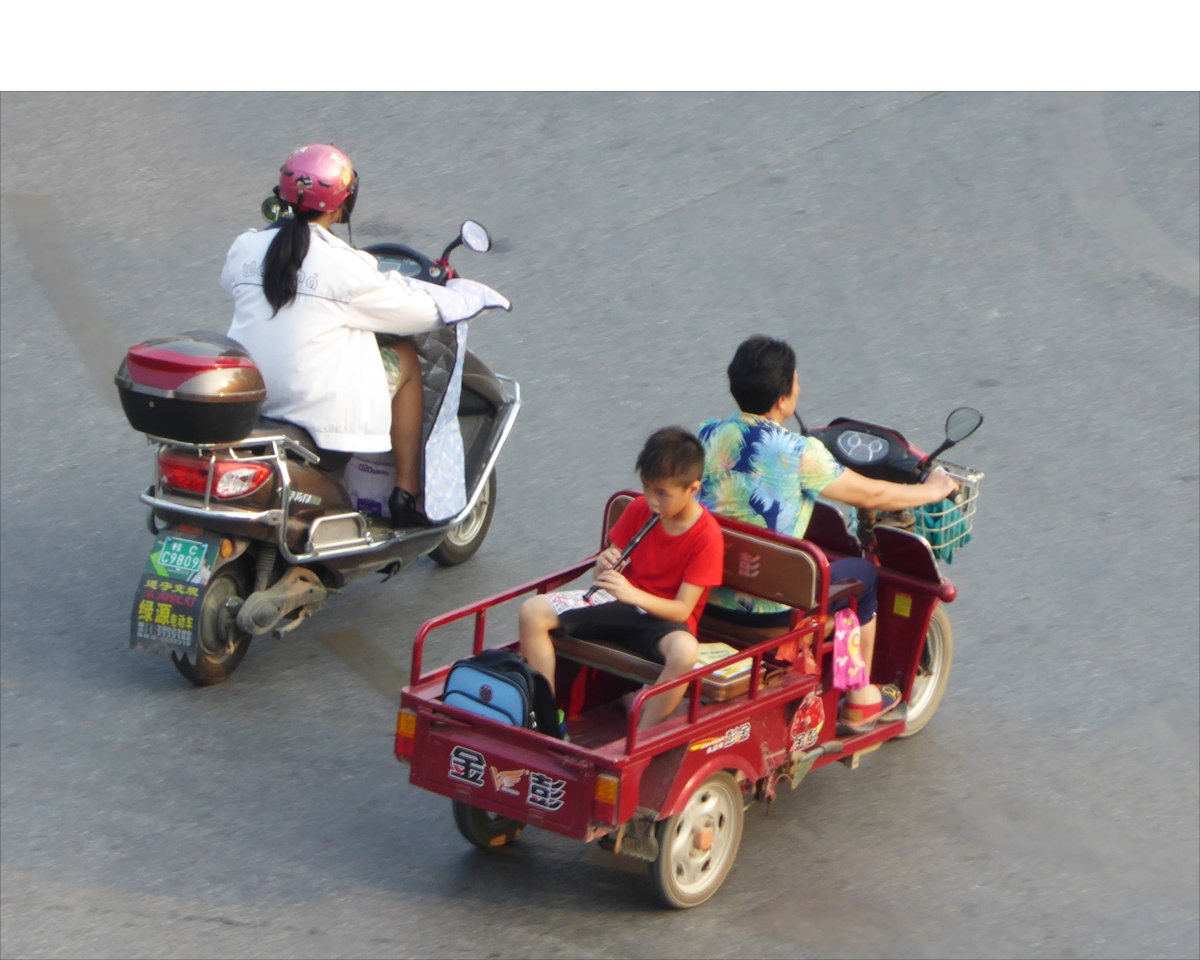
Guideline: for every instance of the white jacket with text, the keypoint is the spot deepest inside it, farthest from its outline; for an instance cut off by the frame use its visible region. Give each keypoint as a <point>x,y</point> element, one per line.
<point>318,355</point>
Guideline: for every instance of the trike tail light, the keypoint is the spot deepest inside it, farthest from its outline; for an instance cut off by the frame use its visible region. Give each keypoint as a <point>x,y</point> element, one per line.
<point>605,793</point>
<point>406,731</point>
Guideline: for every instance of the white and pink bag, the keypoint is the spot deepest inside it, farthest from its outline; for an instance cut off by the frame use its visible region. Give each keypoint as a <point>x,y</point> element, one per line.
<point>849,670</point>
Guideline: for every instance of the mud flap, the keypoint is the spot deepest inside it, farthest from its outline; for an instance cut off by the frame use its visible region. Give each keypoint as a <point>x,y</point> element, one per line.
<point>166,608</point>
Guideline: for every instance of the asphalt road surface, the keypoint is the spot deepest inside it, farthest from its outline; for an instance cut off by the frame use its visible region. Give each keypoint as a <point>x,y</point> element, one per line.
<point>1033,255</point>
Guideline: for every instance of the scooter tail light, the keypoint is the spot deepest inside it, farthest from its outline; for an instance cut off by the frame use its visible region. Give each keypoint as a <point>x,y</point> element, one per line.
<point>182,472</point>
<point>238,481</point>
<point>406,731</point>
<point>230,478</point>
<point>605,792</point>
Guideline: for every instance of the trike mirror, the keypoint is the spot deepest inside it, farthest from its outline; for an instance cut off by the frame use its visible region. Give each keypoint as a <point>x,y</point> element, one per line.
<point>962,423</point>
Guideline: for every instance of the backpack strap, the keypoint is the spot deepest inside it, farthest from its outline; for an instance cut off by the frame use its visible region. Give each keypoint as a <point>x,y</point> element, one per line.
<point>545,708</point>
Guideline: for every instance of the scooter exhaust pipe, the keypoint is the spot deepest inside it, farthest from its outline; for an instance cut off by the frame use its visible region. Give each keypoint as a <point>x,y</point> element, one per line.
<point>263,609</point>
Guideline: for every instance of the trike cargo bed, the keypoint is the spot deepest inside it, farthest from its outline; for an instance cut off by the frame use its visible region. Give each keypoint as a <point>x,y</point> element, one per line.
<point>537,779</point>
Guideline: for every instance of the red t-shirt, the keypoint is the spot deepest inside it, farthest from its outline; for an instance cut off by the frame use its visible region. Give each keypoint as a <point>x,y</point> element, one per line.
<point>661,562</point>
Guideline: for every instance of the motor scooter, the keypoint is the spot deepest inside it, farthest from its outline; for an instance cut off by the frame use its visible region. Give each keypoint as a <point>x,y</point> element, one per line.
<point>254,524</point>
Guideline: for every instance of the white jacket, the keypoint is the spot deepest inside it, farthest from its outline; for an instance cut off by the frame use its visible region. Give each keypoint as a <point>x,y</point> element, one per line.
<point>318,355</point>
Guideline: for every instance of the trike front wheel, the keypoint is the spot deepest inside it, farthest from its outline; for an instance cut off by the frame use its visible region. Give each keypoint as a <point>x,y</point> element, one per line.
<point>485,829</point>
<point>697,846</point>
<point>933,673</point>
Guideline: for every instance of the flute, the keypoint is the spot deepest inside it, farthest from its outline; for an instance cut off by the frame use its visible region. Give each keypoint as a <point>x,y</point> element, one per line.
<point>637,538</point>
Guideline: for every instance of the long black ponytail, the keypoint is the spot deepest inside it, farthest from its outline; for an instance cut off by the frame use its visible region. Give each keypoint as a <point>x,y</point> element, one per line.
<point>284,256</point>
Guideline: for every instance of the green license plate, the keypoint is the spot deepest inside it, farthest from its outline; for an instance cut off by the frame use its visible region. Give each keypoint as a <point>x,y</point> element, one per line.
<point>181,556</point>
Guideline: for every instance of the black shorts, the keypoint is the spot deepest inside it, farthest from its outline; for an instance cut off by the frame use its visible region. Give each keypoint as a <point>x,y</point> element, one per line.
<point>622,625</point>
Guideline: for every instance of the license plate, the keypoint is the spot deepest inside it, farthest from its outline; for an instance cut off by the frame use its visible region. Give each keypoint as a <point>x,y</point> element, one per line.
<point>180,556</point>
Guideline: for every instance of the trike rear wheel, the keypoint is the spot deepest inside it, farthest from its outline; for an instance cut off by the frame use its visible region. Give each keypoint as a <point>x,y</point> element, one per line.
<point>933,673</point>
<point>697,846</point>
<point>485,829</point>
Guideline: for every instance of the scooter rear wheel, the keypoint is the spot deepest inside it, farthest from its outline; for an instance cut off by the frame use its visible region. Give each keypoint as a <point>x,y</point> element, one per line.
<point>933,673</point>
<point>485,829</point>
<point>221,643</point>
<point>463,540</point>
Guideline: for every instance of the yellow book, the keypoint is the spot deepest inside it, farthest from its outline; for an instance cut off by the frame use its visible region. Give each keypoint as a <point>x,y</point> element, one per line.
<point>712,652</point>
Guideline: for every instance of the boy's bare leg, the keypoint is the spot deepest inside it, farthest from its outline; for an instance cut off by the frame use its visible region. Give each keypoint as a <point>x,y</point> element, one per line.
<point>536,619</point>
<point>680,651</point>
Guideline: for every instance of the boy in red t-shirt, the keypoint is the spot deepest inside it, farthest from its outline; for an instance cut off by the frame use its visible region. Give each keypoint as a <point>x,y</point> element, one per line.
<point>652,606</point>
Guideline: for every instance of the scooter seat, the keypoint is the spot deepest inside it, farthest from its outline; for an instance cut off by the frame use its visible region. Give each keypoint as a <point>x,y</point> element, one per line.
<point>331,460</point>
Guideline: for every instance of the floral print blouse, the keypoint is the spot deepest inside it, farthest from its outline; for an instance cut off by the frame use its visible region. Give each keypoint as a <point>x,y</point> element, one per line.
<point>758,472</point>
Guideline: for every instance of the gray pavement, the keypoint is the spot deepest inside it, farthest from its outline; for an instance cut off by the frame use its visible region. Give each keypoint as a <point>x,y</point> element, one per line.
<point>1033,255</point>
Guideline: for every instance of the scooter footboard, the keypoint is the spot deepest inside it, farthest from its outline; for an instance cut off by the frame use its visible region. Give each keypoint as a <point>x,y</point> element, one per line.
<point>507,770</point>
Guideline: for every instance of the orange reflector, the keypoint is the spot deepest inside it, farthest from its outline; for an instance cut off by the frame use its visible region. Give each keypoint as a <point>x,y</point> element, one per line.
<point>406,729</point>
<point>605,789</point>
<point>226,549</point>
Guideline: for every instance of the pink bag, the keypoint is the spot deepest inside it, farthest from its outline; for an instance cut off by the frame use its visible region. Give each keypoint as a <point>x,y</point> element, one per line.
<point>849,670</point>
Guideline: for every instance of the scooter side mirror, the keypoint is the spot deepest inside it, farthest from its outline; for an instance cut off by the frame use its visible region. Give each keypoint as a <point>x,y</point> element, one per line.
<point>962,423</point>
<point>959,425</point>
<point>272,209</point>
<point>475,236</point>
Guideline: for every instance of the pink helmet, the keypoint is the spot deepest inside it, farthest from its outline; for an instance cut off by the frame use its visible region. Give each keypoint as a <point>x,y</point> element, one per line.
<point>317,177</point>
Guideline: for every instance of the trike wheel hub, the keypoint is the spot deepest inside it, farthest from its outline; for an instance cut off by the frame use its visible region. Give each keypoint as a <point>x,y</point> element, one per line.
<point>697,846</point>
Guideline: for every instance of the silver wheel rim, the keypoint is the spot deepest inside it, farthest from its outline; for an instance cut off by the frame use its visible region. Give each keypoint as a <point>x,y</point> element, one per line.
<point>693,868</point>
<point>465,532</point>
<point>925,682</point>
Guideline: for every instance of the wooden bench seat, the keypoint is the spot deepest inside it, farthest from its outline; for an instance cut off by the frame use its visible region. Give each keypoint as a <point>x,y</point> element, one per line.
<point>617,660</point>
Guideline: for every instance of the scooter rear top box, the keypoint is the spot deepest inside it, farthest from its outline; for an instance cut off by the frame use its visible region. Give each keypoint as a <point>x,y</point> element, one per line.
<point>194,387</point>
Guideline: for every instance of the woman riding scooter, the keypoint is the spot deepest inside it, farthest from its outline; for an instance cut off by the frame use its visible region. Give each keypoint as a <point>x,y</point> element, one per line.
<point>307,307</point>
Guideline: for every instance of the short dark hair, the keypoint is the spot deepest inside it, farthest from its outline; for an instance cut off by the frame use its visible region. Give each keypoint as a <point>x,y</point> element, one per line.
<point>671,453</point>
<point>760,373</point>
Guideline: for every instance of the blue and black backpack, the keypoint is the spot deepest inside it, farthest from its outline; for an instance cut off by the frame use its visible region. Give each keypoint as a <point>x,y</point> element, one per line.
<point>500,685</point>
